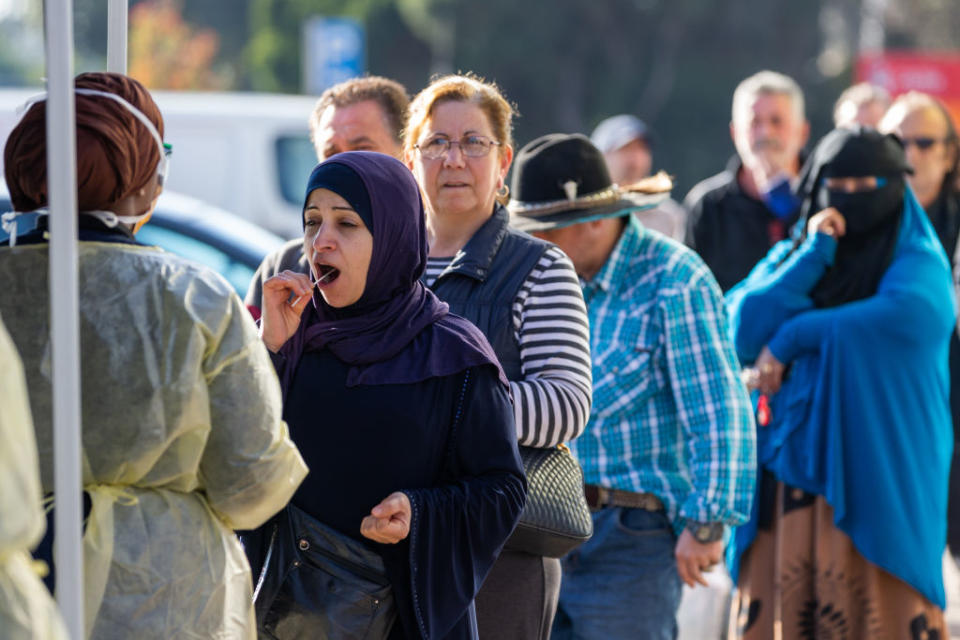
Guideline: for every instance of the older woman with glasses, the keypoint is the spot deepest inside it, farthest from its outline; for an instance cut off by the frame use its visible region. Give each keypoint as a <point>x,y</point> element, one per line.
<point>522,293</point>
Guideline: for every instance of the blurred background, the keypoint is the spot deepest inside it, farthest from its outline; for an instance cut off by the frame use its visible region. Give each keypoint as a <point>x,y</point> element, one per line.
<point>566,64</point>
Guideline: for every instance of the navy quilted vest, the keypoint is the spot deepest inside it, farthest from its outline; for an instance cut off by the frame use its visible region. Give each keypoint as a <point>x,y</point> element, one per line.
<point>483,280</point>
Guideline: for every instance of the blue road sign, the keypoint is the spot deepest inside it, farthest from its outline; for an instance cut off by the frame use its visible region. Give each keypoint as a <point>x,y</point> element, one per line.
<point>333,51</point>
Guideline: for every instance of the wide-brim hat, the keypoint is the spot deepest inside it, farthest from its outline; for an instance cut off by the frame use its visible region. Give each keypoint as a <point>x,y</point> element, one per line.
<point>561,179</point>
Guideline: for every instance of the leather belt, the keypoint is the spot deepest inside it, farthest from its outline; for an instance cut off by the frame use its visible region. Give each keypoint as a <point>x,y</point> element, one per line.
<point>600,497</point>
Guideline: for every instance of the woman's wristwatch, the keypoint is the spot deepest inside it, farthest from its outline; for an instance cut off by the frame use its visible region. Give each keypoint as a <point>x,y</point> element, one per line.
<point>706,532</point>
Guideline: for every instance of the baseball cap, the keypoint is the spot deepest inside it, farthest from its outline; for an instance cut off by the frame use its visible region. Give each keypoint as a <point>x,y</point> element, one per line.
<point>618,131</point>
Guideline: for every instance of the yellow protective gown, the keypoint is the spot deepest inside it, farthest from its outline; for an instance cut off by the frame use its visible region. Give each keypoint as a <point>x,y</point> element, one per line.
<point>27,612</point>
<point>182,435</point>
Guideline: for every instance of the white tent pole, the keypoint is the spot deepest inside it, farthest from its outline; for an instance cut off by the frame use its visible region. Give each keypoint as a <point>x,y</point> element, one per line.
<point>64,311</point>
<point>117,36</point>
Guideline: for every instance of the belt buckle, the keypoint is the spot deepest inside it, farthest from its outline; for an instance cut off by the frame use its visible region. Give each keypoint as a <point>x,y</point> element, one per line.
<point>600,495</point>
<point>653,503</point>
<point>603,497</point>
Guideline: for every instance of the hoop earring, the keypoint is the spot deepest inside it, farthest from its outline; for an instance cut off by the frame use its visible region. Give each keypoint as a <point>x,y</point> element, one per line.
<point>503,192</point>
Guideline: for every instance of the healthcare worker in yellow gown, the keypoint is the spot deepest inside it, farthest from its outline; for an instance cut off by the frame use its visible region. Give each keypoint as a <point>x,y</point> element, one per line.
<point>182,433</point>
<point>27,611</point>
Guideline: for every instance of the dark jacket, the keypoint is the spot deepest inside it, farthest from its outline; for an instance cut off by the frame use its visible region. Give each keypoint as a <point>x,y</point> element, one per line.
<point>448,443</point>
<point>483,280</point>
<point>944,215</point>
<point>728,228</point>
<point>481,284</point>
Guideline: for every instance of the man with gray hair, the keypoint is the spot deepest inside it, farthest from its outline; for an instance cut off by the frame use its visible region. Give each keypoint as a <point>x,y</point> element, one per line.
<point>737,215</point>
<point>360,114</point>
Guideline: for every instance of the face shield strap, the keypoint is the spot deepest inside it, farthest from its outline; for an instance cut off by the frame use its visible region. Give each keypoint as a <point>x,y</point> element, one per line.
<point>163,167</point>
<point>8,220</point>
<point>111,219</point>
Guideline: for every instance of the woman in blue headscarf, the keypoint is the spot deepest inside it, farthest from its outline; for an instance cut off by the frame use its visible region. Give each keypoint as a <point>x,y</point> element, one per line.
<point>399,407</point>
<point>847,327</point>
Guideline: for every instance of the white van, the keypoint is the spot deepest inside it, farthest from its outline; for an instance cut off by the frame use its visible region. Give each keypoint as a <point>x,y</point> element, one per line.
<point>248,153</point>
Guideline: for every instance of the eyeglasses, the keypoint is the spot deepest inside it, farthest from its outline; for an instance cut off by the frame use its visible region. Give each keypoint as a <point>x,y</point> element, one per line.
<point>922,143</point>
<point>471,146</point>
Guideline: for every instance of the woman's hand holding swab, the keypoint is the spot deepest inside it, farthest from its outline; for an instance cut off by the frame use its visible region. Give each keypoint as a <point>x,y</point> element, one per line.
<point>281,317</point>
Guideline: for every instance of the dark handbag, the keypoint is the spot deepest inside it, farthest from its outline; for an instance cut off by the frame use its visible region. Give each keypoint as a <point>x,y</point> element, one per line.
<point>318,583</point>
<point>556,519</point>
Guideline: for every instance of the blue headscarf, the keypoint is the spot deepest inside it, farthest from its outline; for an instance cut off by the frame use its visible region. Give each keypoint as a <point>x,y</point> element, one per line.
<point>863,417</point>
<point>398,332</point>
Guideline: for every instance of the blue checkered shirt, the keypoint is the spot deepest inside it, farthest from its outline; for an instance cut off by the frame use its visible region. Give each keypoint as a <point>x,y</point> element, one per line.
<point>670,415</point>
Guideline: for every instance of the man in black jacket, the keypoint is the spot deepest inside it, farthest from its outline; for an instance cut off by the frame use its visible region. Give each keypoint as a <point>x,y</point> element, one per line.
<point>737,215</point>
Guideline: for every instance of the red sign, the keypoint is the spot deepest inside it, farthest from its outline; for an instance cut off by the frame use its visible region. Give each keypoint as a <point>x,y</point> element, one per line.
<point>936,73</point>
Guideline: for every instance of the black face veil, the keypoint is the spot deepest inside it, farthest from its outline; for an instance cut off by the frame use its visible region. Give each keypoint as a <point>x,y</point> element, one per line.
<point>872,216</point>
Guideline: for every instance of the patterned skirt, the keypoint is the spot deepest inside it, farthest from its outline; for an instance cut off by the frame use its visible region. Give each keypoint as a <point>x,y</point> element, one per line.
<point>802,578</point>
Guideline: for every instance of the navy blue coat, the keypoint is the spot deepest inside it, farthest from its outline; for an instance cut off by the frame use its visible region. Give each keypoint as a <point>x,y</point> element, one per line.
<point>449,443</point>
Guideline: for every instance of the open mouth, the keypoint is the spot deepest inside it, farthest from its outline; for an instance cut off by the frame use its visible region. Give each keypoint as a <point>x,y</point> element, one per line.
<point>326,274</point>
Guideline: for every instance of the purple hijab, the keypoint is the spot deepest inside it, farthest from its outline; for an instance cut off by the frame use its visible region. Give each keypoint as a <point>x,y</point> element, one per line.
<point>398,332</point>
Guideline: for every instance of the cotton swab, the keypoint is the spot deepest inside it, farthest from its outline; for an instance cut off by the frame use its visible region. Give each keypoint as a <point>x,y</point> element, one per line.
<point>313,283</point>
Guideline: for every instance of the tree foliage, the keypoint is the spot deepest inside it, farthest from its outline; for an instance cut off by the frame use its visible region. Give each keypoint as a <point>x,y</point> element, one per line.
<point>273,52</point>
<point>167,53</point>
<point>567,64</point>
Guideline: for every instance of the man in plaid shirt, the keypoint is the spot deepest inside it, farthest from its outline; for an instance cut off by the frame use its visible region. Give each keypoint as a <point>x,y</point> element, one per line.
<point>669,452</point>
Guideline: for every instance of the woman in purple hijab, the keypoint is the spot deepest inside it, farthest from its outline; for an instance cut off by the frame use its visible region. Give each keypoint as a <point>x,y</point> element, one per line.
<point>399,408</point>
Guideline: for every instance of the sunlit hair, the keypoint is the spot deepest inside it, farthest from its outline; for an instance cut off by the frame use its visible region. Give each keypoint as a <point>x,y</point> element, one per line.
<point>389,94</point>
<point>767,83</point>
<point>860,94</point>
<point>461,88</point>
<point>914,101</point>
